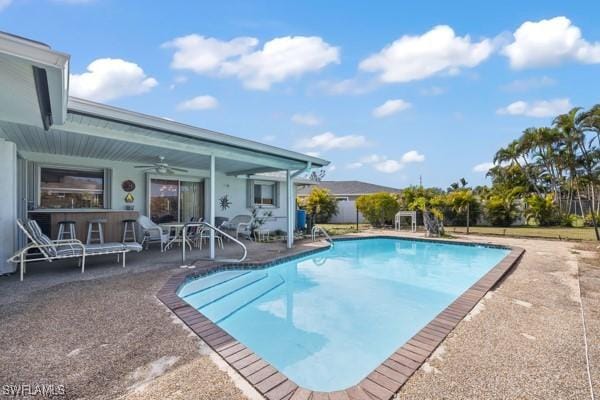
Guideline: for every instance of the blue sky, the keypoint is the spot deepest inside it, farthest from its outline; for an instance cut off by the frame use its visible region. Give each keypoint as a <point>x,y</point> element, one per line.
<point>388,91</point>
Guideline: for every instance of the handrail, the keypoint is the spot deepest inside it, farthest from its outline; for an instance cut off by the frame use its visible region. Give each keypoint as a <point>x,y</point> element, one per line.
<point>214,228</point>
<point>317,228</point>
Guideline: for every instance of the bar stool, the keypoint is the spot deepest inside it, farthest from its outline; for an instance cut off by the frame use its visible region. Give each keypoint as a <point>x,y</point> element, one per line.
<point>99,230</point>
<point>129,229</point>
<point>66,228</point>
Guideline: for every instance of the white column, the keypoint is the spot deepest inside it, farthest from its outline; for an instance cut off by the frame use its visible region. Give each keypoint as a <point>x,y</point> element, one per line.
<point>212,205</point>
<point>8,202</point>
<point>290,209</point>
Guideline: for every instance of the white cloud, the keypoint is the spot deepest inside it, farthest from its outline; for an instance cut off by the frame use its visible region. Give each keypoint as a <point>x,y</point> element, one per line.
<point>279,59</point>
<point>483,167</point>
<point>523,85</point>
<point>437,51</point>
<point>391,107</point>
<point>412,156</point>
<point>549,42</point>
<point>110,78</point>
<point>383,164</point>
<point>389,166</point>
<point>329,140</point>
<point>4,4</point>
<point>199,103</point>
<point>306,119</point>
<point>540,109</point>
<point>202,55</point>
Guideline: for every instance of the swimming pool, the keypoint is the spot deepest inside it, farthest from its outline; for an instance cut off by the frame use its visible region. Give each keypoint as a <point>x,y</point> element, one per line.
<point>327,319</point>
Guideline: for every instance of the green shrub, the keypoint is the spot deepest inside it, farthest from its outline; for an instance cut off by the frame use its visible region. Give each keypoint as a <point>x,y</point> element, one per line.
<point>378,208</point>
<point>541,210</point>
<point>500,210</point>
<point>588,219</point>
<point>320,205</point>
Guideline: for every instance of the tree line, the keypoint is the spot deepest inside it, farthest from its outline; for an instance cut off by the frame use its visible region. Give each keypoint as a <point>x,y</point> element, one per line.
<point>547,176</point>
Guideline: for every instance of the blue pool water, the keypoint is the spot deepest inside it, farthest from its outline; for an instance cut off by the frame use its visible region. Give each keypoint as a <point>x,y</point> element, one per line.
<point>328,319</point>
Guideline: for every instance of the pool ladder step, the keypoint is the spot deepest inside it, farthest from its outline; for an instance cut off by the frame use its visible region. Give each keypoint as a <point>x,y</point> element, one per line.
<point>216,292</point>
<point>228,305</point>
<point>210,281</point>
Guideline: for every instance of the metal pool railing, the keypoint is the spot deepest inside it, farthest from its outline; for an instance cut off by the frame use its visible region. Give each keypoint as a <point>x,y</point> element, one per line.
<point>206,225</point>
<point>316,229</point>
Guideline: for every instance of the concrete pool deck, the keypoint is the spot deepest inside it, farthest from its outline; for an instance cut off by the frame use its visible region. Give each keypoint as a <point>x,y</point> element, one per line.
<point>107,336</point>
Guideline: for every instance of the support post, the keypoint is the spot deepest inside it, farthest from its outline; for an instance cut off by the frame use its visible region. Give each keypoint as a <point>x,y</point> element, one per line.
<point>290,209</point>
<point>212,205</point>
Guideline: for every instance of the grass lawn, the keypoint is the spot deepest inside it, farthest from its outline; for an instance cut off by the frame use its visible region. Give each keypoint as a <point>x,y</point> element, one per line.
<point>519,231</point>
<point>342,229</point>
<point>529,231</point>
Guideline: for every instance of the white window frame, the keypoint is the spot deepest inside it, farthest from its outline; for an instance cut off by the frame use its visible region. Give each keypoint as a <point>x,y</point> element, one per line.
<point>273,184</point>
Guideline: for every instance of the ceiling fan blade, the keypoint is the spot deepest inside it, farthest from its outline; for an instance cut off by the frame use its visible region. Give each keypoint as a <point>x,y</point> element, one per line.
<point>144,166</point>
<point>178,169</point>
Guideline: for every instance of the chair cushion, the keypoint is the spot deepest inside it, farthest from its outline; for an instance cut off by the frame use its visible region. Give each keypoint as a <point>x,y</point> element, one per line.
<point>67,250</point>
<point>134,246</point>
<point>41,239</point>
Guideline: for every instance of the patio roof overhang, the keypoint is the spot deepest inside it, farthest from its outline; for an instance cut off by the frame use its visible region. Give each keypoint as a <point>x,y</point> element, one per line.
<point>90,132</point>
<point>34,81</point>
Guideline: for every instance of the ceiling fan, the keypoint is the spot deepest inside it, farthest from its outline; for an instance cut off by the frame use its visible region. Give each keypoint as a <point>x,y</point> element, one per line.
<point>161,167</point>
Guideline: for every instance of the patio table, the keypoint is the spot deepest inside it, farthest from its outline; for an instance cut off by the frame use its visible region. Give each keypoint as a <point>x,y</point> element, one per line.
<point>176,229</point>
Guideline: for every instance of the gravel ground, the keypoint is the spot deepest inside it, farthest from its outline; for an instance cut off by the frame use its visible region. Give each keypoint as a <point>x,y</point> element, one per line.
<point>589,270</point>
<point>104,335</point>
<point>523,341</point>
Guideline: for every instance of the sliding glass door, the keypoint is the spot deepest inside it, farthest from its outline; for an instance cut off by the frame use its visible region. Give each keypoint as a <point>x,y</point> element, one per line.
<point>174,200</point>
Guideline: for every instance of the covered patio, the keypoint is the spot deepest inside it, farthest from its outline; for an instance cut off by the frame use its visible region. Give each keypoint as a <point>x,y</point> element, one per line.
<point>65,158</point>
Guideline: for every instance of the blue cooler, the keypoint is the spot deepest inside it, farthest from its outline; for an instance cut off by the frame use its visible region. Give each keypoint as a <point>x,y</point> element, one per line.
<point>300,219</point>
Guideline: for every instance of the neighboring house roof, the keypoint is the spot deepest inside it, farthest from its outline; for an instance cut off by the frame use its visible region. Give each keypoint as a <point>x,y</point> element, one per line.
<point>349,188</point>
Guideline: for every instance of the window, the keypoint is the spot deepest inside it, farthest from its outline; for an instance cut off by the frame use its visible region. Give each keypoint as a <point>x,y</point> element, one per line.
<point>71,188</point>
<point>173,200</point>
<point>264,194</point>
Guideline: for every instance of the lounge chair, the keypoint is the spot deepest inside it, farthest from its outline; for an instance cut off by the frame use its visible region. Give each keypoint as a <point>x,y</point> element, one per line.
<point>238,224</point>
<point>50,250</point>
<point>152,233</point>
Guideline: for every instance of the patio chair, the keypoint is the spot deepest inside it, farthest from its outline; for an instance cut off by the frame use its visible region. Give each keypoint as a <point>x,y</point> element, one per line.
<point>50,250</point>
<point>152,233</point>
<point>238,224</point>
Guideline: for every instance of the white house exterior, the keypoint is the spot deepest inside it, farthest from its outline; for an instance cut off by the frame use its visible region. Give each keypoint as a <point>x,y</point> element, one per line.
<point>60,154</point>
<point>346,193</point>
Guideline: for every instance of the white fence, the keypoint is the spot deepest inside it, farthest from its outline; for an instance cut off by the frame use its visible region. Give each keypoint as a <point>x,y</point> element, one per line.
<point>346,213</point>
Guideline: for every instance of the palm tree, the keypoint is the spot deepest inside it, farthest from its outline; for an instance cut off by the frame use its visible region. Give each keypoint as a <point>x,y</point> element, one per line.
<point>570,132</point>
<point>514,153</point>
<point>460,201</point>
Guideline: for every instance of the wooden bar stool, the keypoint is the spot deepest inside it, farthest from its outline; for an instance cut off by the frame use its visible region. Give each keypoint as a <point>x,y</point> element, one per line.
<point>99,222</point>
<point>66,228</point>
<point>129,230</point>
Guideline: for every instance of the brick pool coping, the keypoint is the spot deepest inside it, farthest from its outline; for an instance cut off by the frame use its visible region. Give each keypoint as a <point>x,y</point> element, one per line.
<point>383,382</point>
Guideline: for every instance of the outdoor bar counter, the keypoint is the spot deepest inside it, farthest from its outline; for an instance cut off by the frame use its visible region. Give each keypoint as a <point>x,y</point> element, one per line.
<point>48,219</point>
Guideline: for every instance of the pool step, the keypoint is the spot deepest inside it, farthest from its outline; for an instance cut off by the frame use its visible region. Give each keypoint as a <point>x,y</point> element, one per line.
<point>217,292</point>
<point>210,281</point>
<point>226,306</point>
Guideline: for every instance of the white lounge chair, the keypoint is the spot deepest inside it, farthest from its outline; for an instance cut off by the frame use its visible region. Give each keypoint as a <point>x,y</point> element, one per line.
<point>152,233</point>
<point>238,224</point>
<point>50,250</point>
